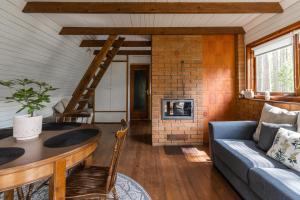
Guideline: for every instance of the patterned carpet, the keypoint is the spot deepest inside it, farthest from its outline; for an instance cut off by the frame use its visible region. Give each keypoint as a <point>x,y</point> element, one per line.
<point>127,189</point>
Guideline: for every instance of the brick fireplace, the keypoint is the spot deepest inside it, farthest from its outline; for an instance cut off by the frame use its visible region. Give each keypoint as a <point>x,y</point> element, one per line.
<point>200,68</point>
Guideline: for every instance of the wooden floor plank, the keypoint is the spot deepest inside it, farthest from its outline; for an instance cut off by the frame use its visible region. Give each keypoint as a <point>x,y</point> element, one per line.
<point>168,177</point>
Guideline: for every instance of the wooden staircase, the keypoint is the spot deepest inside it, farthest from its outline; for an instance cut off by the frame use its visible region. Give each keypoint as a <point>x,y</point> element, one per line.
<point>92,77</point>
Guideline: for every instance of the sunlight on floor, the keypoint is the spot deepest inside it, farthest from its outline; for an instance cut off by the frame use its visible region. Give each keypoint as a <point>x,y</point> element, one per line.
<point>192,154</point>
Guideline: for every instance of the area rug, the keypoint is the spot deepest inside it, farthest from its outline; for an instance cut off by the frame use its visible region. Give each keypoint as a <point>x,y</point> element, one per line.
<point>127,189</point>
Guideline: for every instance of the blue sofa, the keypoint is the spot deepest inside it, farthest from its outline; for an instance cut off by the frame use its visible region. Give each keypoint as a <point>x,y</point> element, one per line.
<point>251,172</point>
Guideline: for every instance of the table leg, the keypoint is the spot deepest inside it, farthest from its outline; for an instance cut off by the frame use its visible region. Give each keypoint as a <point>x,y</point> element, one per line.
<point>9,194</point>
<point>89,161</point>
<point>57,186</point>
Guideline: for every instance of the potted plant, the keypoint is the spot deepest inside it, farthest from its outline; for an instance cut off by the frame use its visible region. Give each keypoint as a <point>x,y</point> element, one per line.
<point>32,96</point>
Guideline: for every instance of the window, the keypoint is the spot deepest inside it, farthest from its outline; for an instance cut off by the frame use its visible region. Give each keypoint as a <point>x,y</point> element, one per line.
<point>275,66</point>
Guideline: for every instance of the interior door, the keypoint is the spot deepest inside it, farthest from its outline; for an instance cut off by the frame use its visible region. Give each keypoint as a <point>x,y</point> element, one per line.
<point>139,92</point>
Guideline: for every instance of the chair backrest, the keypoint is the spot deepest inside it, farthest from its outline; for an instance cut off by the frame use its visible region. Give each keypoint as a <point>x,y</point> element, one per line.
<point>120,138</point>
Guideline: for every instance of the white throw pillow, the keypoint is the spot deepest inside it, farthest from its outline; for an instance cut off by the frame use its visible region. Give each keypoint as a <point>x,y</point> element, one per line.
<point>59,107</point>
<point>65,102</point>
<point>286,148</point>
<point>272,114</point>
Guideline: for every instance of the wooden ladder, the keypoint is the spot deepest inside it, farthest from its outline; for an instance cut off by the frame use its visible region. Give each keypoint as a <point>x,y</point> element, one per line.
<point>92,77</point>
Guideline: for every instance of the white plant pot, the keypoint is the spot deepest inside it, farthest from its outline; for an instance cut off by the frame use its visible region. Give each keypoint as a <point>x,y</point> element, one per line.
<point>25,127</point>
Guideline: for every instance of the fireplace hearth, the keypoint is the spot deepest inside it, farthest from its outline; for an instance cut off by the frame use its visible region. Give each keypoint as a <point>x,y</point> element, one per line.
<point>177,109</point>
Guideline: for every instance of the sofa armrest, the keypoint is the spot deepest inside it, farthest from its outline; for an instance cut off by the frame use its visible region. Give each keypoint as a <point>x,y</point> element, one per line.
<point>240,130</point>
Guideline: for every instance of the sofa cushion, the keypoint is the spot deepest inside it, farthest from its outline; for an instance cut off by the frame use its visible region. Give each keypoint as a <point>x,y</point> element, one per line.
<point>272,183</point>
<point>241,155</point>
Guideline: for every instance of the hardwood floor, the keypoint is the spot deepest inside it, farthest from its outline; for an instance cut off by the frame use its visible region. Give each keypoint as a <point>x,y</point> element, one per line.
<point>165,177</point>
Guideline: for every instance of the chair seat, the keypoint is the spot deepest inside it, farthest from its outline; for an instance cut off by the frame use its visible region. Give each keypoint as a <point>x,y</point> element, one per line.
<point>87,183</point>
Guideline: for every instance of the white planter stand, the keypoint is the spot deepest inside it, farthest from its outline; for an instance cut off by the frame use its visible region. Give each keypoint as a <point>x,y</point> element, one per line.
<point>25,127</point>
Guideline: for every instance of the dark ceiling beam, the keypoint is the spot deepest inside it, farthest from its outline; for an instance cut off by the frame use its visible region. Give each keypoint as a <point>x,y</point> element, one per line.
<point>153,7</point>
<point>100,43</point>
<point>150,30</point>
<point>130,52</point>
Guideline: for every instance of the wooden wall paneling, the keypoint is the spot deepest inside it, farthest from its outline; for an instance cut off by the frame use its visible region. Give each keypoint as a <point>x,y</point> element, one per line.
<point>219,79</point>
<point>150,30</point>
<point>153,7</point>
<point>236,60</point>
<point>241,63</point>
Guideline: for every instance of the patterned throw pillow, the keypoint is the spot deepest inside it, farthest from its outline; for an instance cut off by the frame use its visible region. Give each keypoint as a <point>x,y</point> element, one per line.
<point>286,148</point>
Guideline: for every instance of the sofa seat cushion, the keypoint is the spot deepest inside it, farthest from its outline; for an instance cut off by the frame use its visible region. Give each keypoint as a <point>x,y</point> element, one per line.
<point>242,155</point>
<point>272,183</point>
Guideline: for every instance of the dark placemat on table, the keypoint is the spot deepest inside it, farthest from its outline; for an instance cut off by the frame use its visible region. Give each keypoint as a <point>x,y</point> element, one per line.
<point>71,138</point>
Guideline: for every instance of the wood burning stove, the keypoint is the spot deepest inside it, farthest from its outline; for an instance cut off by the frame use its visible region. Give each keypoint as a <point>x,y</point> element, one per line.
<point>177,109</point>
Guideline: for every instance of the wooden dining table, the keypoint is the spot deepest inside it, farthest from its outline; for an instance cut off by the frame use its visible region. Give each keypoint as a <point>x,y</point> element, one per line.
<point>40,162</point>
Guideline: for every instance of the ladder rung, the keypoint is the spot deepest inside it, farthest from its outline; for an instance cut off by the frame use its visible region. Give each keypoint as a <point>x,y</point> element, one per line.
<point>83,100</point>
<point>78,111</point>
<point>90,89</point>
<point>109,55</point>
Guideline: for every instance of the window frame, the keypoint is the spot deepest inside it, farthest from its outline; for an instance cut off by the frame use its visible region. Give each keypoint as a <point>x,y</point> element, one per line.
<point>251,65</point>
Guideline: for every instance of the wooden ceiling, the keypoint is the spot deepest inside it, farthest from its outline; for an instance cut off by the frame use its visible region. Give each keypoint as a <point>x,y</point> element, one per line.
<point>153,7</point>
<point>197,13</point>
<point>188,17</point>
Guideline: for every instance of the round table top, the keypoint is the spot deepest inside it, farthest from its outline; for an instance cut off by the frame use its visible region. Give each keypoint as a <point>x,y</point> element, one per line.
<point>37,154</point>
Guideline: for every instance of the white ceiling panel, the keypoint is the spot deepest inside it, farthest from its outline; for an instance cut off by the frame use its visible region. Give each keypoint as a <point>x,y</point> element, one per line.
<point>247,21</point>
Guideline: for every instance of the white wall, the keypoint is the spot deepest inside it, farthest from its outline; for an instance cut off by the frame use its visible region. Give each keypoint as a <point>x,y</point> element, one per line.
<point>256,30</point>
<point>31,47</point>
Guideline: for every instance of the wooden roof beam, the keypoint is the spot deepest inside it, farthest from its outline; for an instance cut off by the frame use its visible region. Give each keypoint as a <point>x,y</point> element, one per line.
<point>100,43</point>
<point>129,52</point>
<point>150,30</point>
<point>153,7</point>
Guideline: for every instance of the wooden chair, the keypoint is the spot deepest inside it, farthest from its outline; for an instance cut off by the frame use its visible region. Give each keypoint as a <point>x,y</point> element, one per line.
<point>96,182</point>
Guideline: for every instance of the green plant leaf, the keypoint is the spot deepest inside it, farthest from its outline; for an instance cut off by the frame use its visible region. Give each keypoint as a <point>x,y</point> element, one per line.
<point>30,94</point>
